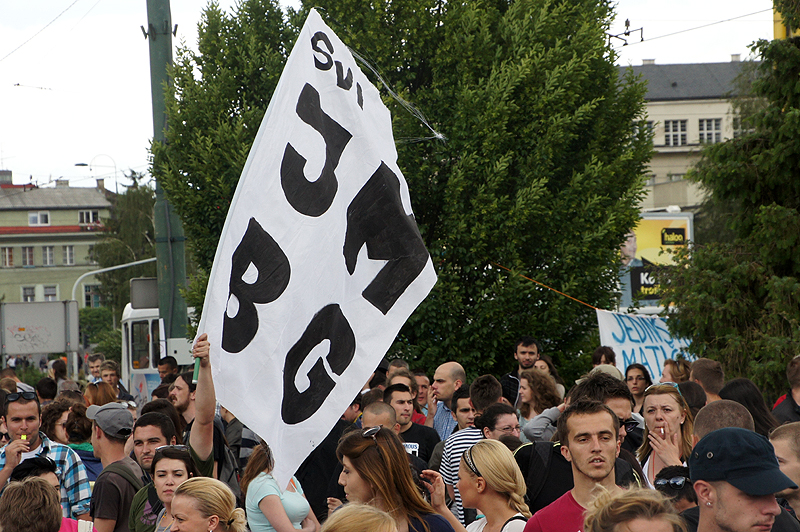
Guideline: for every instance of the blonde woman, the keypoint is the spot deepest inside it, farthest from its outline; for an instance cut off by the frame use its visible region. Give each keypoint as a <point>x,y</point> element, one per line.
<point>635,509</point>
<point>668,430</point>
<point>489,479</point>
<point>355,517</point>
<point>204,504</point>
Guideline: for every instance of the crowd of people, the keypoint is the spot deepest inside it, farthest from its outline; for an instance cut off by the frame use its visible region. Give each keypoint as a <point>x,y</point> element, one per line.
<point>527,452</point>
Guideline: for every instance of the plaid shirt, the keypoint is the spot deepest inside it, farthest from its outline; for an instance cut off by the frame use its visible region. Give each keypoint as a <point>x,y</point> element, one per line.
<point>443,421</point>
<point>75,491</point>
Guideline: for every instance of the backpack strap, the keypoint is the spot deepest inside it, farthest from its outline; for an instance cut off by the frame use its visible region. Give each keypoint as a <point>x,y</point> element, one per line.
<point>513,518</point>
<point>125,472</point>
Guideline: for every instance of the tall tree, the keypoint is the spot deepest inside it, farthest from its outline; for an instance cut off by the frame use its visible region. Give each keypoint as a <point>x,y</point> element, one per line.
<point>739,300</point>
<point>128,236</point>
<point>541,172</point>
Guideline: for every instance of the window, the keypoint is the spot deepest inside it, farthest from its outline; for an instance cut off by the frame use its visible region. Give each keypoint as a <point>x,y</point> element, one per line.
<point>39,218</point>
<point>89,217</point>
<point>27,255</point>
<point>675,132</point>
<point>28,294</point>
<point>91,297</point>
<point>710,130</point>
<point>676,177</point>
<point>69,255</point>
<point>51,293</point>
<point>47,255</point>
<point>8,257</point>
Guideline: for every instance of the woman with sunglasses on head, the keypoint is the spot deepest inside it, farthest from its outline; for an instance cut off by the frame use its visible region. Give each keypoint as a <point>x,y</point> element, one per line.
<point>667,432</point>
<point>172,466</point>
<point>638,379</point>
<point>270,508</point>
<point>676,485</point>
<point>376,471</point>
<point>489,479</point>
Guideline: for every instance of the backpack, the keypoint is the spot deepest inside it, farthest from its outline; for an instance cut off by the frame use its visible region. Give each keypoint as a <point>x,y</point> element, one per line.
<point>229,473</point>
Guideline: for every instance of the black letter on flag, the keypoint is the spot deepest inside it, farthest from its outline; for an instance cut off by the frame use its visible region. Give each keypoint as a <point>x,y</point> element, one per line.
<point>376,217</point>
<point>313,198</point>
<point>328,324</point>
<point>259,249</point>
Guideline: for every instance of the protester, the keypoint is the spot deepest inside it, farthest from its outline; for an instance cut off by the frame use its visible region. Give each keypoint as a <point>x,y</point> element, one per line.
<point>675,484</point>
<point>206,505</point>
<point>172,465</point>
<point>110,372</point>
<point>167,366</point>
<point>54,419</point>
<point>632,510</point>
<point>418,440</point>
<point>604,355</point>
<point>668,430</point>
<point>46,389</point>
<point>638,380</point>
<point>537,393</point>
<point>270,508</point>
<point>354,517</point>
<point>30,506</point>
<point>423,389</point>
<point>694,396</point>
<point>404,376</point>
<point>545,365</point>
<point>100,393</point>
<point>786,442</point>
<point>489,479</point>
<point>79,432</point>
<point>496,420</point>
<point>710,376</point>
<point>376,472</point>
<point>448,378</point>
<point>95,361</point>
<point>746,393</point>
<point>786,408</point>
<point>526,353</point>
<point>677,370</point>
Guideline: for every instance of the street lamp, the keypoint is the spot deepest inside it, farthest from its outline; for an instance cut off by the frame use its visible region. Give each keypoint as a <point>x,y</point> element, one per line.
<point>89,164</point>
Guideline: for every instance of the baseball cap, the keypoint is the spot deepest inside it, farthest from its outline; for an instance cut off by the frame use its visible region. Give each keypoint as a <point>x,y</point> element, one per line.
<point>740,457</point>
<point>113,418</point>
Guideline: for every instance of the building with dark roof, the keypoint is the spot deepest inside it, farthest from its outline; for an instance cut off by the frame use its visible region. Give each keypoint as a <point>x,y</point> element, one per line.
<point>688,106</point>
<point>45,239</point>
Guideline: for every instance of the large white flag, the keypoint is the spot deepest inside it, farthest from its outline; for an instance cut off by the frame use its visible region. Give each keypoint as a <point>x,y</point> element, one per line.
<point>320,261</point>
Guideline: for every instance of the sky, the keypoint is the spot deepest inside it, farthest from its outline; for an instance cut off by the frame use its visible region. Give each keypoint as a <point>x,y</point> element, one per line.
<point>75,87</point>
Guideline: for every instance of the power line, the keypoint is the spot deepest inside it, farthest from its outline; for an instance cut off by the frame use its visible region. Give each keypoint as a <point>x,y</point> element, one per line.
<point>703,26</point>
<point>38,32</point>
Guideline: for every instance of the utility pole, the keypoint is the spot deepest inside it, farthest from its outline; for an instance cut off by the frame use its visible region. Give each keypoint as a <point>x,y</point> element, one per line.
<point>170,240</point>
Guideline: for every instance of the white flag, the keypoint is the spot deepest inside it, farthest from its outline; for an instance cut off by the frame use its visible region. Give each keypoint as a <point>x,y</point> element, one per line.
<point>320,261</point>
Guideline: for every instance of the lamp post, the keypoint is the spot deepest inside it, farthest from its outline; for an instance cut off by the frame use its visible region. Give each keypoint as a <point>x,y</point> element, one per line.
<point>89,164</point>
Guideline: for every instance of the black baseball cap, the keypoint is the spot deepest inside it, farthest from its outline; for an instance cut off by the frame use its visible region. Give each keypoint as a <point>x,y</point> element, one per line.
<point>741,458</point>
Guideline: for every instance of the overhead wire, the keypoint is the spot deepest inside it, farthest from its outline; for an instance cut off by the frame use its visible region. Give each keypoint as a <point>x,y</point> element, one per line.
<point>38,32</point>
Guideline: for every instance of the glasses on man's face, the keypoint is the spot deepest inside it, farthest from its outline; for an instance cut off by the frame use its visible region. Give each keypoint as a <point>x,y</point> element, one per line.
<point>675,483</point>
<point>629,424</point>
<point>511,429</point>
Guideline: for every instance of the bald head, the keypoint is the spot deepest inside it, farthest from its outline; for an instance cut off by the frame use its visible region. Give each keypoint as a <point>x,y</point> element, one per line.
<point>719,415</point>
<point>379,414</point>
<point>448,378</point>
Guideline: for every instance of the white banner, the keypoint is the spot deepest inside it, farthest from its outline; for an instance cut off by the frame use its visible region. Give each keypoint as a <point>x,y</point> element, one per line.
<point>642,339</point>
<point>320,261</point>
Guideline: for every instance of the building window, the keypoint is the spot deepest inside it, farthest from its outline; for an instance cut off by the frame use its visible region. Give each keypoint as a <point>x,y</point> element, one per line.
<point>89,217</point>
<point>710,130</point>
<point>91,297</point>
<point>47,256</point>
<point>69,255</point>
<point>39,218</point>
<point>8,257</point>
<point>28,294</point>
<point>676,177</point>
<point>27,255</point>
<point>675,132</point>
<point>50,293</point>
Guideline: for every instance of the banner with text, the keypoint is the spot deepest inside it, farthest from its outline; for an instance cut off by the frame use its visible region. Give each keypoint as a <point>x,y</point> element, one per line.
<point>320,261</point>
<point>641,339</point>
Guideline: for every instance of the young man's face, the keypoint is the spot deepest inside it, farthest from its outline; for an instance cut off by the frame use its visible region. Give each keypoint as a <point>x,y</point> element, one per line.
<point>464,413</point>
<point>146,439</point>
<point>423,384</point>
<point>110,376</point>
<point>403,404</point>
<point>592,445</point>
<point>24,419</point>
<point>526,356</point>
<point>736,511</point>
<point>94,368</point>
<point>164,370</point>
<point>180,395</point>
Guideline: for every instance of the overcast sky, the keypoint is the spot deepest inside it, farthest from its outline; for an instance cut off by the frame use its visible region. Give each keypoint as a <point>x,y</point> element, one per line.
<point>75,88</point>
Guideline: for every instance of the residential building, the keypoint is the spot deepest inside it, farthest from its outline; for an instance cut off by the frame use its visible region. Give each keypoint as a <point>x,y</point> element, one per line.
<point>688,106</point>
<point>45,238</point>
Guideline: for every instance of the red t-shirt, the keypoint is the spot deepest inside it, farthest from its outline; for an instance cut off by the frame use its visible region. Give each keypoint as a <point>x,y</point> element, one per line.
<point>562,515</point>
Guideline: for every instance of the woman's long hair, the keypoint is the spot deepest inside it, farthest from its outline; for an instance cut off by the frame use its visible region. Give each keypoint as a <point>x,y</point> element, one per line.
<point>260,461</point>
<point>543,388</point>
<point>686,428</point>
<point>551,367</point>
<point>382,462</point>
<point>747,394</point>
<point>499,469</point>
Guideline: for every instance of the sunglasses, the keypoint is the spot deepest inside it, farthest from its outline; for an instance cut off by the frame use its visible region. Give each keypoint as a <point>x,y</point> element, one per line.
<point>16,396</point>
<point>629,424</point>
<point>371,432</point>
<point>673,384</point>
<point>184,448</point>
<point>676,483</point>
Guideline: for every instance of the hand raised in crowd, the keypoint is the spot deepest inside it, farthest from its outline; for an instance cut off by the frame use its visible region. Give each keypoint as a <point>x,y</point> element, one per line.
<point>666,446</point>
<point>202,349</point>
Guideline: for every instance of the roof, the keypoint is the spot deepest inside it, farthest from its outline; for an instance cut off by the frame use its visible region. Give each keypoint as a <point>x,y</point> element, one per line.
<point>696,81</point>
<point>53,198</point>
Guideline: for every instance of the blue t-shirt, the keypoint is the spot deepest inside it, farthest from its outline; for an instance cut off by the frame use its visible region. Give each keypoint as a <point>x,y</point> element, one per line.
<point>296,506</point>
<point>435,522</point>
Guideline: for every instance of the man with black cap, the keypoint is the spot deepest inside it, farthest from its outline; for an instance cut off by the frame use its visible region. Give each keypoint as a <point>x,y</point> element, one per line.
<point>736,476</point>
<point>121,477</point>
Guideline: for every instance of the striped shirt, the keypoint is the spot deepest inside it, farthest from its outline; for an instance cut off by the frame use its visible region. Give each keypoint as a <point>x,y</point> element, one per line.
<point>454,447</point>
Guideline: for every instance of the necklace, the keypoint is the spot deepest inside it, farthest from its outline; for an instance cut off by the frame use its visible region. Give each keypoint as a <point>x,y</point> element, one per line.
<point>161,521</point>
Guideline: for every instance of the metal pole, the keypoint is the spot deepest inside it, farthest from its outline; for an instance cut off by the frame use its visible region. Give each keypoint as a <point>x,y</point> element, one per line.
<point>170,240</point>
<point>104,270</point>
